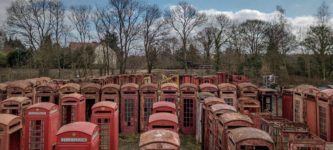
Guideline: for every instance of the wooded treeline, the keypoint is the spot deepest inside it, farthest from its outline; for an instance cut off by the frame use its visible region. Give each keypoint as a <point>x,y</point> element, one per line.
<point>181,37</point>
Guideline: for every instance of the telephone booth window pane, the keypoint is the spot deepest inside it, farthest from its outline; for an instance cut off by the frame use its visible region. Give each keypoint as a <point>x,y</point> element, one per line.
<point>129,111</point>
<point>169,100</point>
<point>148,108</point>
<point>188,112</point>
<point>229,101</point>
<point>36,135</point>
<point>297,107</point>
<point>68,114</point>
<point>104,125</point>
<point>322,123</point>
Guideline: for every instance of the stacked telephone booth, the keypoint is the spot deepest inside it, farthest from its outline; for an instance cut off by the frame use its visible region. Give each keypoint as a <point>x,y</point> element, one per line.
<point>287,104</point>
<point>325,114</point>
<point>69,88</point>
<point>163,106</point>
<point>15,105</point>
<point>111,92</point>
<point>72,108</point>
<point>159,139</point>
<point>10,132</point>
<point>47,92</point>
<point>228,92</point>
<point>106,115</point>
<point>209,87</point>
<point>188,100</point>
<point>91,91</point>
<point>201,97</point>
<point>130,108</point>
<point>78,135</point>
<point>248,105</point>
<point>310,108</point>
<point>164,120</point>
<point>3,91</point>
<point>169,93</point>
<point>42,121</point>
<point>21,88</point>
<point>148,96</point>
<point>266,97</point>
<point>247,89</point>
<point>298,102</point>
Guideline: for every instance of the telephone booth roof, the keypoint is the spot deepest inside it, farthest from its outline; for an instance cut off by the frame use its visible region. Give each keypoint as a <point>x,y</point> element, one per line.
<point>130,85</point>
<point>84,127</point>
<point>328,93</point>
<point>250,101</point>
<point>71,85</point>
<point>186,85</point>
<point>23,84</point>
<point>149,86</point>
<point>228,86</point>
<point>301,88</point>
<point>163,116</point>
<point>267,90</point>
<point>234,116</point>
<point>51,86</point>
<point>213,99</point>
<point>166,85</point>
<point>19,99</point>
<point>7,119</point>
<point>114,86</point>
<point>159,136</point>
<point>164,104</point>
<point>73,95</point>
<point>207,85</point>
<point>218,107</point>
<point>43,105</point>
<point>245,133</point>
<point>108,104</point>
<point>90,85</point>
<point>3,86</point>
<point>246,84</point>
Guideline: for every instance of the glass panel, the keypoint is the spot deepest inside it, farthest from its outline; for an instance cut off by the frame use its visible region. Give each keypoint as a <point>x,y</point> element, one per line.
<point>297,107</point>
<point>148,108</point>
<point>104,125</point>
<point>36,135</point>
<point>129,111</point>
<point>188,112</point>
<point>229,101</point>
<point>322,123</point>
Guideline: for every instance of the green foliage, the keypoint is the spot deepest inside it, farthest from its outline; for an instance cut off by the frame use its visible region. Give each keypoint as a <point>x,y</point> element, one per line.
<point>3,59</point>
<point>18,58</point>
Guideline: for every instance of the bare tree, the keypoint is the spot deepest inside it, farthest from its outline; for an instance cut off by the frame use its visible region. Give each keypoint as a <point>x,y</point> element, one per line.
<point>153,31</point>
<point>184,18</point>
<point>253,34</point>
<point>80,18</point>
<point>206,39</point>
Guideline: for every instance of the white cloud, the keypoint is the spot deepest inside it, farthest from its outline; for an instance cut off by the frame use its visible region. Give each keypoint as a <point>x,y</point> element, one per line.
<point>4,4</point>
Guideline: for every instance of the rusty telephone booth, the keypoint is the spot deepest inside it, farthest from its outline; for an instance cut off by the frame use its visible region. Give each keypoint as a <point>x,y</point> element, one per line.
<point>42,121</point>
<point>188,103</point>
<point>77,136</point>
<point>47,92</point>
<point>3,91</point>
<point>298,102</point>
<point>212,79</point>
<point>160,139</point>
<point>163,106</point>
<point>247,89</point>
<point>228,92</point>
<point>106,115</point>
<point>169,93</point>
<point>15,105</point>
<point>208,102</point>
<point>266,97</point>
<point>201,97</point>
<point>309,142</point>
<point>21,88</point>
<point>111,92</point>
<point>10,132</point>
<point>91,92</point>
<point>163,121</point>
<point>129,108</point>
<point>208,87</point>
<point>69,88</point>
<point>222,77</point>
<point>310,108</point>
<point>148,96</point>
<point>72,108</point>
<point>248,105</point>
<point>287,104</point>
<point>325,115</point>
<point>228,121</point>
<point>240,138</point>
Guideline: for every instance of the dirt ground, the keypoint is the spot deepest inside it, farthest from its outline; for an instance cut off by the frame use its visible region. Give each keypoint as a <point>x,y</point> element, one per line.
<point>131,142</point>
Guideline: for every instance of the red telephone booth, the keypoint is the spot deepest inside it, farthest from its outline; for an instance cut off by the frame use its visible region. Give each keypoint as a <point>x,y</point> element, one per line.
<point>110,92</point>
<point>201,96</point>
<point>148,96</point>
<point>287,104</point>
<point>208,87</point>
<point>247,90</point>
<point>186,78</point>
<point>212,79</point>
<point>228,92</point>
<point>3,91</point>
<point>169,93</point>
<point>249,138</point>
<point>163,106</point>
<point>10,132</point>
<point>298,102</point>
<point>72,108</point>
<point>208,102</point>
<point>159,139</point>
<point>123,79</point>
<point>91,92</point>
<point>78,136</point>
<point>248,105</point>
<point>266,97</point>
<point>15,106</point>
<point>188,103</point>
<point>47,92</point>
<point>129,108</point>
<point>163,121</point>
<point>325,115</point>
<point>228,121</point>
<point>42,121</point>
<point>106,115</point>
<point>21,88</point>
<point>69,88</point>
<point>222,77</point>
<point>310,109</point>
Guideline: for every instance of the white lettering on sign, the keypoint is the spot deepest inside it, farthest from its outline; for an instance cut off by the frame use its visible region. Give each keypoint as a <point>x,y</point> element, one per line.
<point>37,113</point>
<point>73,140</point>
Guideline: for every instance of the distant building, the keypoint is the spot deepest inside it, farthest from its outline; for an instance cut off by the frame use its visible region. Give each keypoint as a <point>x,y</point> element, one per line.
<point>102,52</point>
